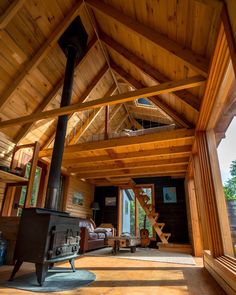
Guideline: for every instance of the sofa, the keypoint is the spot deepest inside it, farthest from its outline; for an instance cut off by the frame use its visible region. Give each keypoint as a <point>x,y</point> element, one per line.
<point>92,237</point>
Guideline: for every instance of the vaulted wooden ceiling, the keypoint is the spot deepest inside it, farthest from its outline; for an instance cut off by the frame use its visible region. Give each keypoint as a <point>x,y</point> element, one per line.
<point>160,50</point>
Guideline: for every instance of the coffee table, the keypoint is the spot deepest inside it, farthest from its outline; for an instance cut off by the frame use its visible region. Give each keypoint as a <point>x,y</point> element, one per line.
<point>122,242</point>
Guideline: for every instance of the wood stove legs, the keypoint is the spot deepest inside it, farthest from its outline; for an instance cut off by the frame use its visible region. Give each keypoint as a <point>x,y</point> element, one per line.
<point>15,269</point>
<point>72,263</point>
<point>41,272</point>
<point>41,269</point>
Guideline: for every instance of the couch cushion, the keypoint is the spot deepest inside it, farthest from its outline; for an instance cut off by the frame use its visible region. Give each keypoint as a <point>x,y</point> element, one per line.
<point>109,234</point>
<point>86,223</point>
<point>101,235</point>
<point>93,236</point>
<point>102,230</point>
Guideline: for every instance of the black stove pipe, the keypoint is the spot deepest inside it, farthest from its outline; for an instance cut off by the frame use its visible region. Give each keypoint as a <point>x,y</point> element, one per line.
<point>73,42</point>
<point>55,169</point>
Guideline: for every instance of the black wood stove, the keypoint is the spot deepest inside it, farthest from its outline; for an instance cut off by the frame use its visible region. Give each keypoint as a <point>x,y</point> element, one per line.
<point>45,235</point>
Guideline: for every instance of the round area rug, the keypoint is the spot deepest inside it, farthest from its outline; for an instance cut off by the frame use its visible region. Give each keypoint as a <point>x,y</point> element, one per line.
<point>57,280</point>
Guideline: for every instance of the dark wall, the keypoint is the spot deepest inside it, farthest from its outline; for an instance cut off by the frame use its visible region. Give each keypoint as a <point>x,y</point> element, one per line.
<point>106,214</point>
<point>174,215</point>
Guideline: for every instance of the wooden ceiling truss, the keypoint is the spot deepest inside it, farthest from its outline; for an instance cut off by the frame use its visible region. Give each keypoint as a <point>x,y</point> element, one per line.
<point>108,97</point>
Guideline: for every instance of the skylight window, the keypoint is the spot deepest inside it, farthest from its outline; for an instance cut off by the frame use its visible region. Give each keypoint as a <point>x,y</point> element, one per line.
<point>144,102</point>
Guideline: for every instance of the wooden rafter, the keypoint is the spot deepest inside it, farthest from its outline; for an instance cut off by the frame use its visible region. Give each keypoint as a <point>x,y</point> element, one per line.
<point>172,136</point>
<point>10,12</point>
<point>120,98</point>
<point>41,53</point>
<point>183,95</point>
<point>25,129</point>
<point>167,109</point>
<point>106,56</point>
<point>158,153</point>
<point>155,171</point>
<point>229,35</point>
<point>219,64</point>
<point>136,164</point>
<point>81,99</point>
<point>74,139</point>
<point>192,60</point>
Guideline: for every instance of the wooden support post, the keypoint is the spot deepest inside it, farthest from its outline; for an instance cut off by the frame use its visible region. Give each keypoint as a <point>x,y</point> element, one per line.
<point>212,222</point>
<point>136,217</point>
<point>106,122</point>
<point>194,220</point>
<point>203,221</point>
<point>219,194</point>
<point>32,174</point>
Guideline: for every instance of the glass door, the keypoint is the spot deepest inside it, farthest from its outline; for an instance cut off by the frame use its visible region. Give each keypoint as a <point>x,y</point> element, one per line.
<point>132,215</point>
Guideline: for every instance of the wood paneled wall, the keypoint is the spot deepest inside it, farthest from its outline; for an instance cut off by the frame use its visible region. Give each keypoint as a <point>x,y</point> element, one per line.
<point>73,185</point>
<point>6,147</point>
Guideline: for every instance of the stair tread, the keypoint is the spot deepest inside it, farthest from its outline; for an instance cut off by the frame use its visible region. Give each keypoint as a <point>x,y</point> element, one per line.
<point>151,214</point>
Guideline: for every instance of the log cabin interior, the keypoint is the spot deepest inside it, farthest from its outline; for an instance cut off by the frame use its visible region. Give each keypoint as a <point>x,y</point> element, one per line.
<point>126,119</point>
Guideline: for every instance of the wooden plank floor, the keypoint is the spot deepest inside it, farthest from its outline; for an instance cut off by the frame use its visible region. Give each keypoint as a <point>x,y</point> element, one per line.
<point>122,276</point>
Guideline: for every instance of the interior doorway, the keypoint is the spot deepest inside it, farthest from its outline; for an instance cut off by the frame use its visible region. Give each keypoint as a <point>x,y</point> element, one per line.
<point>131,214</point>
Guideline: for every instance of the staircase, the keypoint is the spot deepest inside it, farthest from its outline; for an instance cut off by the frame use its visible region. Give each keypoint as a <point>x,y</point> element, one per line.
<point>151,214</point>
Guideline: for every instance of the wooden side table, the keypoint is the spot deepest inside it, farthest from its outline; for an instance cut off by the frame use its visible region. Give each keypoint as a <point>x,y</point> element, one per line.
<point>118,242</point>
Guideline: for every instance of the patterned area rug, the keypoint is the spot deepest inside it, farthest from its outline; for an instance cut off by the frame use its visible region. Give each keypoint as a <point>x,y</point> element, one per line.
<point>147,254</point>
<point>58,279</point>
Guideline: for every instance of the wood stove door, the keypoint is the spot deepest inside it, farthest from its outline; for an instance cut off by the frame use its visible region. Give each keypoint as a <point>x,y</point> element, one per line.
<point>64,241</point>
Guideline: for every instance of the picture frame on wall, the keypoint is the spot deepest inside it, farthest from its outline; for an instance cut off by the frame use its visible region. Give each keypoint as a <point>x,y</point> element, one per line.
<point>169,194</point>
<point>110,201</point>
<point>78,199</point>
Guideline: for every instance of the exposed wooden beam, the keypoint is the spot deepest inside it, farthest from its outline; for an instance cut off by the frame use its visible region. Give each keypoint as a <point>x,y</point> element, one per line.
<point>10,12</point>
<point>213,3</point>
<point>107,58</point>
<point>219,65</point>
<point>155,171</point>
<point>158,153</point>
<point>120,98</point>
<point>74,139</point>
<point>229,35</point>
<point>25,129</point>
<point>172,136</point>
<point>167,109</point>
<point>81,99</point>
<point>190,59</point>
<point>41,53</point>
<point>136,164</point>
<point>183,95</point>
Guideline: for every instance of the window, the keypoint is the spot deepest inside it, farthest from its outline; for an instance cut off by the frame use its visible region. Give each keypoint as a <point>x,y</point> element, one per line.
<point>227,159</point>
<point>144,102</point>
<point>34,190</point>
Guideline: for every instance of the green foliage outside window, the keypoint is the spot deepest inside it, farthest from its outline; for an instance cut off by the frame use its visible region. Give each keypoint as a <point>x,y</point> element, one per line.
<point>141,216</point>
<point>34,190</point>
<point>230,186</point>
